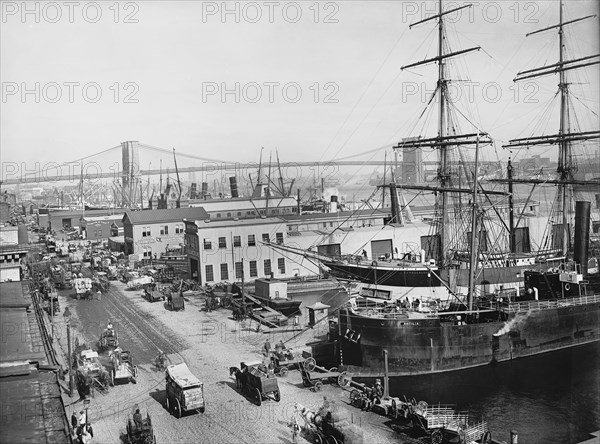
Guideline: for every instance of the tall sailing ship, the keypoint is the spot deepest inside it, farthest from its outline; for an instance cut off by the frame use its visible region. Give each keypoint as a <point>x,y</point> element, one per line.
<point>425,338</point>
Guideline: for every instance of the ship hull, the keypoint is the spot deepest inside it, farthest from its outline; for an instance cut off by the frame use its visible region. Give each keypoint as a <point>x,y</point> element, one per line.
<point>418,347</point>
<point>488,279</point>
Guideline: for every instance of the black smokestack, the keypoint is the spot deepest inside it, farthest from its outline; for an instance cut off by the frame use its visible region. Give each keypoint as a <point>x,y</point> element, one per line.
<point>233,185</point>
<point>204,190</point>
<point>193,189</point>
<point>582,235</point>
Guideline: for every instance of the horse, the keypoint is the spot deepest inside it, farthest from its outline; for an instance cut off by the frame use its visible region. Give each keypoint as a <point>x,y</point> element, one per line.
<point>240,377</point>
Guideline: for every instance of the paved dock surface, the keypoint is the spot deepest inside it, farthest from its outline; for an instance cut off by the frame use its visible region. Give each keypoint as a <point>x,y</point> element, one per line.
<point>209,343</point>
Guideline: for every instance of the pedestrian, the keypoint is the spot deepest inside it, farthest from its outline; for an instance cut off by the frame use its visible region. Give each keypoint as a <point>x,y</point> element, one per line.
<point>82,421</point>
<point>266,348</point>
<point>99,295</point>
<point>295,430</point>
<point>85,436</point>
<point>137,419</point>
<point>74,423</point>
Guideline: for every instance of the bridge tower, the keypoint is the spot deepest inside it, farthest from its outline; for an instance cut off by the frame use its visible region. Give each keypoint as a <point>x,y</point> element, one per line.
<point>130,175</point>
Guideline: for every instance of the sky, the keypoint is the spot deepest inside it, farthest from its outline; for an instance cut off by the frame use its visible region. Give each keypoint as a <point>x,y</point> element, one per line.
<point>314,80</point>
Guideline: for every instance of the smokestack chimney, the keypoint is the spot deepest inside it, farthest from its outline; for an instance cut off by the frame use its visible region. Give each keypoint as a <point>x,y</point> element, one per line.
<point>204,190</point>
<point>582,235</point>
<point>233,186</point>
<point>193,191</point>
<point>333,205</point>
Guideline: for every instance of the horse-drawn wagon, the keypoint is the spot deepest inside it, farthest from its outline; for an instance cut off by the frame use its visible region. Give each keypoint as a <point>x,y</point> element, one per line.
<point>83,288</point>
<point>90,373</point>
<point>329,425</point>
<point>284,359</point>
<point>109,339</point>
<point>254,379</point>
<point>184,391</point>
<point>139,430</point>
<point>315,379</point>
<point>123,367</point>
<point>151,294</point>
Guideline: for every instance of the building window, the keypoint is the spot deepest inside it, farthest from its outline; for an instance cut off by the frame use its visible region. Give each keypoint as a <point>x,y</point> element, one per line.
<point>237,241</point>
<point>179,229</point>
<point>251,240</point>
<point>147,253</point>
<point>267,267</point>
<point>146,232</point>
<point>281,265</point>
<point>210,276</point>
<point>228,214</point>
<point>279,238</point>
<point>239,270</point>
<point>218,215</point>
<point>222,242</point>
<point>224,272</point>
<point>164,230</point>
<point>253,269</point>
<point>207,244</point>
<point>239,213</point>
<point>265,238</point>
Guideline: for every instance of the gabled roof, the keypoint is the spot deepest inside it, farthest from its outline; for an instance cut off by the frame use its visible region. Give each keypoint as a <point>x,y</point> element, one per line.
<point>165,215</point>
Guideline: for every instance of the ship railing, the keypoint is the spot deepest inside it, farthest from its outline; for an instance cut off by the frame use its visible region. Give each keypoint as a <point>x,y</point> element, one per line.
<point>515,307</point>
<point>450,420</point>
<point>474,432</point>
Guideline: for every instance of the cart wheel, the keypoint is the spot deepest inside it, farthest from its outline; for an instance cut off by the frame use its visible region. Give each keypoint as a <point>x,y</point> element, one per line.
<point>318,439</point>
<point>168,405</point>
<point>112,378</point>
<point>344,379</point>
<point>283,372</point>
<point>333,369</point>
<point>437,437</point>
<point>258,397</point>
<point>135,371</point>
<point>277,396</point>
<point>332,440</point>
<point>318,386</point>
<point>310,364</point>
<point>177,409</point>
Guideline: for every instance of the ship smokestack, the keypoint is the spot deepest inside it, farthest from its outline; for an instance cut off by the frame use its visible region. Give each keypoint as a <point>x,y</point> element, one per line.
<point>233,186</point>
<point>204,190</point>
<point>193,191</point>
<point>333,205</point>
<point>582,235</point>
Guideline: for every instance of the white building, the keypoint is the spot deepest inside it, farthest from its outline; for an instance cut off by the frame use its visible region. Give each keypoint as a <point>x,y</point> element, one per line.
<point>153,232</point>
<point>219,250</point>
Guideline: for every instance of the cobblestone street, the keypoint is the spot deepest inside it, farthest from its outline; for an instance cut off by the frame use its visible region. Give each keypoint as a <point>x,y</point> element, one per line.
<point>209,343</point>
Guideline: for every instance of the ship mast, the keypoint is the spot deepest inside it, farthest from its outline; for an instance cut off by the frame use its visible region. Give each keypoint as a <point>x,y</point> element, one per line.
<point>564,138</point>
<point>444,177</point>
<point>443,141</point>
<point>564,158</point>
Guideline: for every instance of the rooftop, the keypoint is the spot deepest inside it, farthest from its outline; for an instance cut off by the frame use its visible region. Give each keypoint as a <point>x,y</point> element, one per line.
<point>33,411</point>
<point>166,215</point>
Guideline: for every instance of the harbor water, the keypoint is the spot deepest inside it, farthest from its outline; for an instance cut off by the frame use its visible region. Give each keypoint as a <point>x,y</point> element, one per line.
<point>552,398</point>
